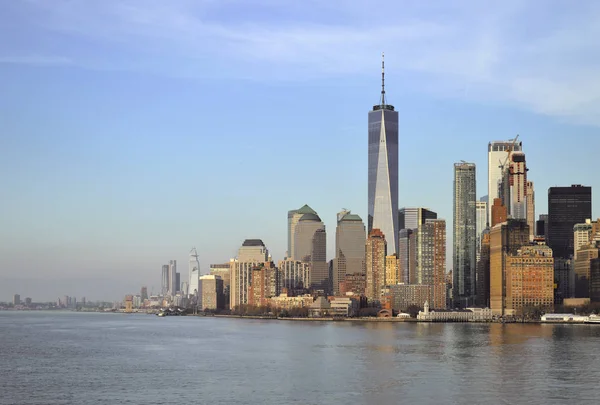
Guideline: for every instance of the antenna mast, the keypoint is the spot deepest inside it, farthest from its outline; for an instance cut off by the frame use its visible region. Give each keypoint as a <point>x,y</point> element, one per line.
<point>382,79</point>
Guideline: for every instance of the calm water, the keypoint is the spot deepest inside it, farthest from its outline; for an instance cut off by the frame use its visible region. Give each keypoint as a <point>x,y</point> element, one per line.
<point>70,358</point>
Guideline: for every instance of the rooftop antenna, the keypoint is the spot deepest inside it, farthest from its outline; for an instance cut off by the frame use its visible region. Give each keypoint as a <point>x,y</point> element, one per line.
<point>382,79</point>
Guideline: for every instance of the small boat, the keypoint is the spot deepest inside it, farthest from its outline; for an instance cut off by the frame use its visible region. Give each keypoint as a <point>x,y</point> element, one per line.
<point>593,319</point>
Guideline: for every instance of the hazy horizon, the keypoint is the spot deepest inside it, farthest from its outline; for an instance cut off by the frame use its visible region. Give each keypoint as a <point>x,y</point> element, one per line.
<point>133,131</point>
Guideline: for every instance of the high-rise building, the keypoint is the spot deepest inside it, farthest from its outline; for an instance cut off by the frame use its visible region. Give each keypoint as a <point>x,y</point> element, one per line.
<point>465,238</point>
<point>595,280</point>
<point>581,266</point>
<point>164,286</point>
<point>531,209</point>
<point>354,284</point>
<point>432,267</point>
<point>375,253</point>
<point>383,170</point>
<point>293,218</point>
<point>497,154</point>
<point>541,226</point>
<point>194,272</point>
<point>16,299</point>
<point>173,287</point>
<point>481,221</point>
<point>483,271</point>
<point>505,239</point>
<point>144,294</point>
<point>499,212</point>
<point>567,206</point>
<point>391,270</point>
<point>517,186</point>
<point>350,238</point>
<point>252,253</point>
<point>310,246</point>
<point>224,271</point>
<point>211,292</point>
<point>581,236</point>
<point>407,255</point>
<point>529,280</point>
<point>295,275</point>
<point>177,282</point>
<point>413,217</point>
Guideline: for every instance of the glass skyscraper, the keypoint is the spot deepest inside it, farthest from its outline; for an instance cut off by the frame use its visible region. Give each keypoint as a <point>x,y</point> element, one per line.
<point>465,234</point>
<point>383,171</point>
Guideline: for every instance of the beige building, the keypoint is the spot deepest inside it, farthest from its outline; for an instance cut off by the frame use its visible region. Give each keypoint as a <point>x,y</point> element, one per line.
<point>529,280</point>
<point>350,235</point>
<point>211,296</point>
<point>505,238</point>
<point>581,236</point>
<point>283,301</point>
<point>531,209</point>
<point>376,248</point>
<point>252,253</point>
<point>294,275</point>
<point>392,270</point>
<point>581,266</point>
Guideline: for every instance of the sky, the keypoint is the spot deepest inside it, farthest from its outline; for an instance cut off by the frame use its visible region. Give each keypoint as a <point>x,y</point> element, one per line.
<point>134,130</point>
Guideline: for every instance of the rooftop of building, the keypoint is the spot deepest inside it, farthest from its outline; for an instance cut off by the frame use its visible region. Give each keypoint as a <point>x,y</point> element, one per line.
<point>253,242</point>
<point>351,217</point>
<point>305,209</point>
<point>310,217</point>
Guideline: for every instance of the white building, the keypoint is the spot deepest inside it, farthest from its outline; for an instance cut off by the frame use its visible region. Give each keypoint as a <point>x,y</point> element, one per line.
<point>194,271</point>
<point>497,154</point>
<point>581,236</point>
<point>464,315</point>
<point>481,220</point>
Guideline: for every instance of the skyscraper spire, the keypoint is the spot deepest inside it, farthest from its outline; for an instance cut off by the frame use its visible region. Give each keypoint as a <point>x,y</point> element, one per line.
<point>382,79</point>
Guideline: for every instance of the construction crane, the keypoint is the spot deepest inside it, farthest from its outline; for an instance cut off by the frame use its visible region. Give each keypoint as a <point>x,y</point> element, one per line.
<point>509,152</point>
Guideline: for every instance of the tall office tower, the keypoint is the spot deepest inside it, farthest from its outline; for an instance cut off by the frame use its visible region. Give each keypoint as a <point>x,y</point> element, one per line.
<point>483,271</point>
<point>407,253</point>
<point>481,210</point>
<point>252,253</point>
<point>224,271</point>
<point>581,236</point>
<point>392,275</point>
<point>567,206</point>
<point>412,218</point>
<point>210,293</point>
<point>531,210</point>
<point>581,266</point>
<point>497,154</point>
<point>295,276</point>
<point>499,212</point>
<point>517,178</point>
<point>16,299</point>
<point>310,246</point>
<point>432,268</point>
<point>595,280</point>
<point>293,218</point>
<point>350,238</point>
<point>164,286</point>
<point>541,226</point>
<point>173,277</point>
<point>383,170</point>
<point>465,238</point>
<point>375,253</point>
<point>506,238</point>
<point>529,280</point>
<point>144,293</point>
<point>177,282</point>
<point>194,272</point>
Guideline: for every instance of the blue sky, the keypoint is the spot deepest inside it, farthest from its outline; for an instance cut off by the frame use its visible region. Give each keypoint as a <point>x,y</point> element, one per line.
<point>131,131</point>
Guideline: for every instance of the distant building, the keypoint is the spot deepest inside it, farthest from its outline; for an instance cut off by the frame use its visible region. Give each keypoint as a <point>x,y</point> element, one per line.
<point>391,270</point>
<point>517,185</point>
<point>412,218</point>
<point>284,301</point>
<point>482,224</point>
<point>211,296</point>
<point>498,152</point>
<point>295,275</point>
<point>383,172</point>
<point>354,284</point>
<point>582,266</point>
<point>432,268</point>
<point>376,251</point>
<point>483,272</point>
<point>499,212</point>
<point>531,209</point>
<point>143,293</point>
<point>407,255</point>
<point>310,246</point>
<point>541,225</point>
<point>16,299</point>
<point>194,273</point>
<point>252,253</point>
<point>464,315</point>
<point>465,238</point>
<point>595,280</point>
<point>224,271</point>
<point>164,286</point>
<point>581,236</point>
<point>402,296</point>
<point>567,206</point>
<point>173,285</point>
<point>293,218</point>
<point>129,303</point>
<point>350,238</point>
<point>505,239</point>
<point>529,280</point>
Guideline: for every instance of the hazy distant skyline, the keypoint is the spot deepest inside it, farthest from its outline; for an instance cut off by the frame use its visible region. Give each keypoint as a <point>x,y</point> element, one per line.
<point>132,131</point>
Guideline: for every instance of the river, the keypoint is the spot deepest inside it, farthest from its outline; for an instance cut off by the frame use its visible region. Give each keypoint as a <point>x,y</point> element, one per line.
<point>94,358</point>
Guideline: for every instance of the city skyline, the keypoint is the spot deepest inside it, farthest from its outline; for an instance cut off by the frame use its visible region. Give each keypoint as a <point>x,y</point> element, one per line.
<point>90,153</point>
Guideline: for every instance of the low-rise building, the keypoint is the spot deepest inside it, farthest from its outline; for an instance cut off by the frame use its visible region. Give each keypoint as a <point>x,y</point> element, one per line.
<point>344,306</point>
<point>401,296</point>
<point>283,301</point>
<point>462,315</point>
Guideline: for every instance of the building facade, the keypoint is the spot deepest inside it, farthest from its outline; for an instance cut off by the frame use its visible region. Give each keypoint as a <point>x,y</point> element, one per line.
<point>517,177</point>
<point>376,251</point>
<point>293,218</point>
<point>407,255</point>
<point>392,270</point>
<point>310,246</point>
<point>294,275</point>
<point>531,209</point>
<point>581,236</point>
<point>252,253</point>
<point>581,266</point>
<point>481,220</point>
<point>432,268</point>
<point>211,292</point>
<point>498,152</point>
<point>465,238</point>
<point>401,296</point>
<point>567,206</point>
<point>194,272</point>
<point>350,235</point>
<point>412,218</point>
<point>383,171</point>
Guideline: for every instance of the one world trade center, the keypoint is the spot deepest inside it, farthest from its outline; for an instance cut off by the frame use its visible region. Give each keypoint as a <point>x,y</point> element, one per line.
<point>383,169</point>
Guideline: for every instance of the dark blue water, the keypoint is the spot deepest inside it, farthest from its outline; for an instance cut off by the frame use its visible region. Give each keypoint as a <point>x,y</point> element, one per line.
<point>73,358</point>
